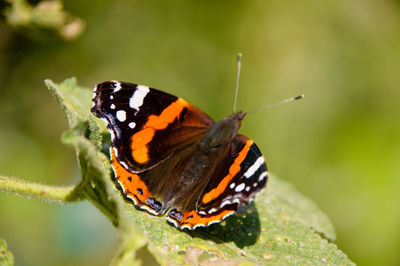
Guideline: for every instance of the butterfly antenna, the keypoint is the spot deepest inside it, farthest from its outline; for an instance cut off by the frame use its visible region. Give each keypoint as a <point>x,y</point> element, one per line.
<point>239,63</point>
<point>276,104</point>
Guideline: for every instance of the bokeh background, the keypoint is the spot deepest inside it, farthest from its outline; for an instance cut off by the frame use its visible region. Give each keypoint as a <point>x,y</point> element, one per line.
<point>340,146</point>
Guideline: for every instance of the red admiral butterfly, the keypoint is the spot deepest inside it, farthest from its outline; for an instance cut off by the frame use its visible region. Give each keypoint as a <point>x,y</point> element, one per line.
<point>169,156</point>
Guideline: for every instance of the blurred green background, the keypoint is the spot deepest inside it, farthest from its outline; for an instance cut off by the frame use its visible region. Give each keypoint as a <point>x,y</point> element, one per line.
<point>340,146</point>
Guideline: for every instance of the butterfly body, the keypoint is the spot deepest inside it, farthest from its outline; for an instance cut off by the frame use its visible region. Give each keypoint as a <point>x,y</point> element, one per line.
<point>169,157</point>
<point>222,133</point>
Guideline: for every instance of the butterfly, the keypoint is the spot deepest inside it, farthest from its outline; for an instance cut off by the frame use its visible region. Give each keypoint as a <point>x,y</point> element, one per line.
<point>169,157</point>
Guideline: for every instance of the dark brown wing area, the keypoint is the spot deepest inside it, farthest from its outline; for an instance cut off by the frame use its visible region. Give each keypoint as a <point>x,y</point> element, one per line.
<point>146,125</point>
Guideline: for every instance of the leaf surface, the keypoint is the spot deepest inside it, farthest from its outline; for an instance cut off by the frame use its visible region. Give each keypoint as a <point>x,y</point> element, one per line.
<point>280,227</point>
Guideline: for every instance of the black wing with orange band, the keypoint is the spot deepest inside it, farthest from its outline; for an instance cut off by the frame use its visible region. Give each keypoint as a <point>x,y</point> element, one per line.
<point>146,125</point>
<point>241,174</point>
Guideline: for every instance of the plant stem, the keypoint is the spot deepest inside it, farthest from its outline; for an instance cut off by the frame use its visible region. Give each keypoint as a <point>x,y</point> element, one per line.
<point>40,191</point>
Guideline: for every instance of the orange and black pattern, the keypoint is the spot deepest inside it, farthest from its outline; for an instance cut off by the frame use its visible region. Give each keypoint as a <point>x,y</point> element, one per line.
<point>170,157</point>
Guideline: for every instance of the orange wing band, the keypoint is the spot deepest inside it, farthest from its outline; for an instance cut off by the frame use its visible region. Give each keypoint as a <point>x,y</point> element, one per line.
<point>139,141</point>
<point>192,219</point>
<point>233,170</point>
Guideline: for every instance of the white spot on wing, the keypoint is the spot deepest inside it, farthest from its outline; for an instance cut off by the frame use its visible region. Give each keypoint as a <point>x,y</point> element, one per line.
<point>117,86</point>
<point>110,151</point>
<point>232,185</point>
<point>112,135</point>
<point>185,227</point>
<point>115,152</point>
<point>227,215</point>
<point>226,202</point>
<point>247,189</point>
<point>150,210</point>
<point>121,115</point>
<point>212,210</point>
<point>240,187</point>
<point>105,121</point>
<point>262,176</point>
<point>138,96</point>
<point>254,167</point>
<point>122,187</point>
<point>132,199</point>
<point>198,225</point>
<point>172,221</point>
<point>112,106</point>
<point>123,164</point>
<point>132,125</point>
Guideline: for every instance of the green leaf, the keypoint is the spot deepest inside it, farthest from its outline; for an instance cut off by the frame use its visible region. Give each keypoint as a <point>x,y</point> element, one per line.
<point>96,185</point>
<point>74,101</point>
<point>280,227</point>
<point>84,136</point>
<point>6,258</point>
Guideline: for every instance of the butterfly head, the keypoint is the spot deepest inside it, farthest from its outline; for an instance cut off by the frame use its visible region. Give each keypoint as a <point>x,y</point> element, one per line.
<point>237,116</point>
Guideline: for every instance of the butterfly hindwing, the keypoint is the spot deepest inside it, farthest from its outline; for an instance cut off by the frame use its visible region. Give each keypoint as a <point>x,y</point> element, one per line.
<point>134,188</point>
<point>238,181</point>
<point>146,125</point>
<point>240,174</point>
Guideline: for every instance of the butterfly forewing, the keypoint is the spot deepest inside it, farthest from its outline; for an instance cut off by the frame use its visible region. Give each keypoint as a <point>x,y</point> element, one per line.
<point>146,125</point>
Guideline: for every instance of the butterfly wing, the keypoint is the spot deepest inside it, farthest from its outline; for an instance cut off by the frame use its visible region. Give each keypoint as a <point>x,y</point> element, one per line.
<point>157,189</point>
<point>146,125</point>
<point>243,176</point>
<point>240,175</point>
